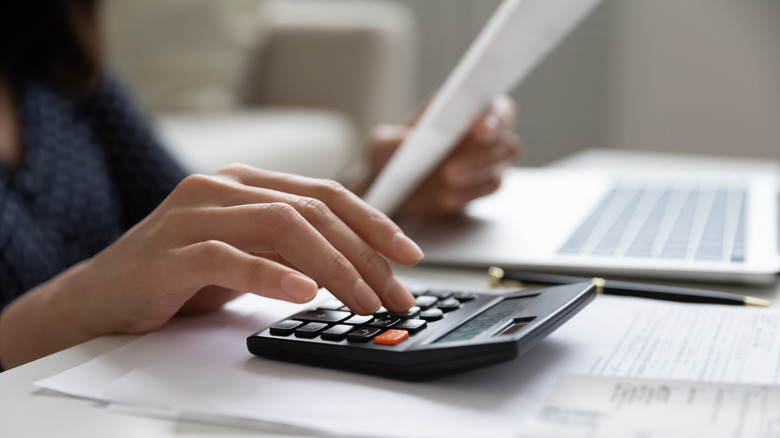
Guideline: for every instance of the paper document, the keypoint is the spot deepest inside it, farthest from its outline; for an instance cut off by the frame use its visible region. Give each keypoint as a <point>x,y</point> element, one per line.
<point>696,342</point>
<point>516,39</point>
<point>620,407</point>
<point>199,368</point>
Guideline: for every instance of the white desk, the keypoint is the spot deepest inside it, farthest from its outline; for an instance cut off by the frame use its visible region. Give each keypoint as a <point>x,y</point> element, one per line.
<point>27,411</point>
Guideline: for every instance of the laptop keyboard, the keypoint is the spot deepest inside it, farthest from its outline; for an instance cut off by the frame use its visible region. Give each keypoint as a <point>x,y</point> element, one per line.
<point>689,223</point>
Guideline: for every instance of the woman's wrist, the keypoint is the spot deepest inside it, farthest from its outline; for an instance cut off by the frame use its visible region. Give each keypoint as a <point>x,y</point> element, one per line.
<point>46,319</point>
<point>78,309</point>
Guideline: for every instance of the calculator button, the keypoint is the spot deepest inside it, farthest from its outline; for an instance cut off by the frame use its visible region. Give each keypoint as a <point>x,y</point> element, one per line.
<point>449,304</point>
<point>391,337</point>
<point>284,328</point>
<point>333,304</point>
<point>310,330</point>
<point>411,313</point>
<point>385,321</point>
<point>432,314</point>
<point>411,325</point>
<point>418,290</point>
<point>359,319</point>
<point>363,334</point>
<point>381,311</point>
<point>337,332</point>
<point>321,315</point>
<point>425,301</point>
<point>464,296</point>
<point>440,293</point>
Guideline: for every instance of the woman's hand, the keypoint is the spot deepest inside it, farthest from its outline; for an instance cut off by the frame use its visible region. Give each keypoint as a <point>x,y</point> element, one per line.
<point>473,169</point>
<point>214,237</point>
<point>251,230</point>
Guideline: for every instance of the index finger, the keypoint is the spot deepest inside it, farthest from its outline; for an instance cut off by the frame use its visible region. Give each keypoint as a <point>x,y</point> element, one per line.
<point>370,224</point>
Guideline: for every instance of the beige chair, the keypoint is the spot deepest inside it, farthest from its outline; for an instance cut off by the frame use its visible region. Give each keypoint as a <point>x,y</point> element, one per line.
<point>290,85</point>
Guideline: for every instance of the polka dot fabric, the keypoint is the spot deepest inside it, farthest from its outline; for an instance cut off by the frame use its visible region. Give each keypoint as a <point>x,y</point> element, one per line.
<point>92,169</point>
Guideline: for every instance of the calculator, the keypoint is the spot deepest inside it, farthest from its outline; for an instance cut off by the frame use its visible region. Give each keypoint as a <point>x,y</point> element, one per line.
<point>447,331</point>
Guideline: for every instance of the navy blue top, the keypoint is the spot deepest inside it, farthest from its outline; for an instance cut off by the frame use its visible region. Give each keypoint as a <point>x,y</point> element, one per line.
<point>92,169</point>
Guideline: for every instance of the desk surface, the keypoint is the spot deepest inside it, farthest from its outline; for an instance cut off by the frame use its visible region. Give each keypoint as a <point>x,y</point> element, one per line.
<point>29,411</point>
<point>26,410</point>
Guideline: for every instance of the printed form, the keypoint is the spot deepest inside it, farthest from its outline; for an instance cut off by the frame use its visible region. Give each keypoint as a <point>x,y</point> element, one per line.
<point>622,407</point>
<point>677,371</point>
<point>707,343</point>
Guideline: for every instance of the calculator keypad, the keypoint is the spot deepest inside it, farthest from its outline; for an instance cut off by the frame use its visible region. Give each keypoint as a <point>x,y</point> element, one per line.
<point>446,331</point>
<point>332,321</point>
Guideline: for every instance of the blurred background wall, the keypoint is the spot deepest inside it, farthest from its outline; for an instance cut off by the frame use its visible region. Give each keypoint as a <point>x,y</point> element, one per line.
<point>698,76</point>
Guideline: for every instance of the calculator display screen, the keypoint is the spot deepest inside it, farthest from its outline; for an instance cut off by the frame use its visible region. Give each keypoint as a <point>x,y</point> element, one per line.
<point>487,319</point>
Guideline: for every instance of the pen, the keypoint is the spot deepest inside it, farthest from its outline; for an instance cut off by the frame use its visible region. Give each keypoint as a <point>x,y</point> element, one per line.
<point>499,276</point>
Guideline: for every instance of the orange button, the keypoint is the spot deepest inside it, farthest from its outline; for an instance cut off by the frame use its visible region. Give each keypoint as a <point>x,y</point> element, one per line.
<point>391,337</point>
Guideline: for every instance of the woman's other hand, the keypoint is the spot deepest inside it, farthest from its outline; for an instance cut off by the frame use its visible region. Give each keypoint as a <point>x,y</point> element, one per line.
<point>473,169</point>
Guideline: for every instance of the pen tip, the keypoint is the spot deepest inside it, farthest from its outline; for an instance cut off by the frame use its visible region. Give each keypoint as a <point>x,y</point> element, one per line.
<point>758,302</point>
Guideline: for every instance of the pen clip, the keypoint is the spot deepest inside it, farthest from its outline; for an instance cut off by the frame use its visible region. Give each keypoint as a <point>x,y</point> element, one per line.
<point>496,276</point>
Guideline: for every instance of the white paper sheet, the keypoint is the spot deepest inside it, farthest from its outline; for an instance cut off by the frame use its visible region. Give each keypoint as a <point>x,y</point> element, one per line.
<point>621,407</point>
<point>199,368</point>
<point>518,36</point>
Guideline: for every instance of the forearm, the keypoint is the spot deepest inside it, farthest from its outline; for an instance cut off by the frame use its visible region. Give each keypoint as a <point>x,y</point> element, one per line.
<point>44,320</point>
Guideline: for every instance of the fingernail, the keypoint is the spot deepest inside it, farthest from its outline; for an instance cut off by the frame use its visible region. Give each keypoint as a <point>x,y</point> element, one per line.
<point>299,287</point>
<point>398,296</point>
<point>490,133</point>
<point>407,247</point>
<point>365,298</point>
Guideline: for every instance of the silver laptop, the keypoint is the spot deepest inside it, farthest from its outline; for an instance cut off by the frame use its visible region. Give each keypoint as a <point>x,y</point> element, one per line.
<point>683,223</point>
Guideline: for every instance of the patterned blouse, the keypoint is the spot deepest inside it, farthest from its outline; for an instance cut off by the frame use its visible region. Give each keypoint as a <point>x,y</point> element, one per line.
<point>92,169</point>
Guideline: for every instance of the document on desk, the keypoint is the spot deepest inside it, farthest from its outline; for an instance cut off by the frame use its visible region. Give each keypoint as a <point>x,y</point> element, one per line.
<point>583,406</point>
<point>199,368</point>
<point>518,36</point>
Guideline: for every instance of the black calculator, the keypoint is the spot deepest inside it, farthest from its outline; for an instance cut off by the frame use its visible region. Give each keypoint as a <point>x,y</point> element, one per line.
<point>446,332</point>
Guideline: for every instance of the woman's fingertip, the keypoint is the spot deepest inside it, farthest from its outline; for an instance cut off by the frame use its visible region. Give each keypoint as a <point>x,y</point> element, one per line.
<point>390,132</point>
<point>506,108</point>
<point>400,297</point>
<point>407,247</point>
<point>490,129</point>
<point>299,287</point>
<point>365,297</point>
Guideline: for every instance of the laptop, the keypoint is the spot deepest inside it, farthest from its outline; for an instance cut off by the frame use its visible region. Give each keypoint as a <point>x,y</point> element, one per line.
<point>681,220</point>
